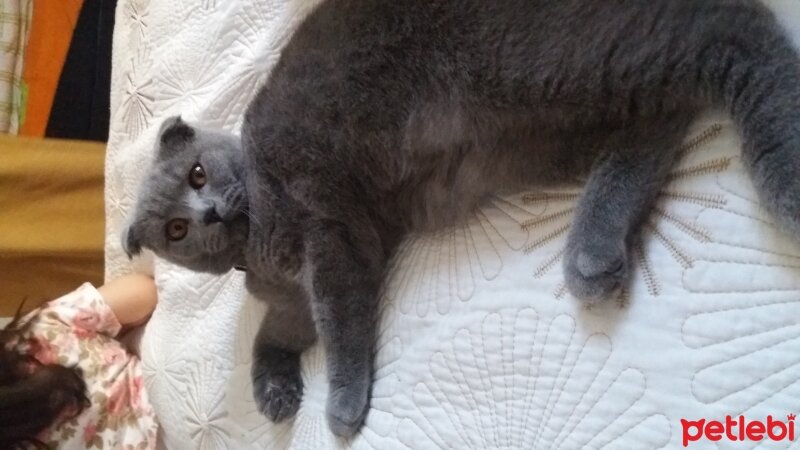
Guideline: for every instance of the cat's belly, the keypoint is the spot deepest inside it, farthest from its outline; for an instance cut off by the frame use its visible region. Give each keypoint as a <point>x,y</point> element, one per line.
<point>443,184</point>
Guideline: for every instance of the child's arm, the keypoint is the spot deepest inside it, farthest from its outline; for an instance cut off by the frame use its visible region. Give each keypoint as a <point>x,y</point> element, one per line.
<point>132,298</point>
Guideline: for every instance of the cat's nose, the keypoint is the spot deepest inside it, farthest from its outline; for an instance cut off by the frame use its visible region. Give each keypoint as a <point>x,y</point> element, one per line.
<point>211,216</point>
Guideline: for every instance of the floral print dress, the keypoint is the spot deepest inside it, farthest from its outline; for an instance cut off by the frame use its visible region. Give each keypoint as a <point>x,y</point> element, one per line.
<point>79,329</point>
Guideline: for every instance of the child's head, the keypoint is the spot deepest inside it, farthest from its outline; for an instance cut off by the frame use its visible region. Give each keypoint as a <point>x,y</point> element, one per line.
<point>33,396</point>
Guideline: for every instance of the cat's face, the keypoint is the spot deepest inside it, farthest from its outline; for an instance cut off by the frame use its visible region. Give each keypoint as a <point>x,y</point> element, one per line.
<point>192,206</point>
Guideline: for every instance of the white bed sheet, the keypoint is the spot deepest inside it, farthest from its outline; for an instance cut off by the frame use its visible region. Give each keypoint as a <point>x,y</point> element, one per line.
<point>480,346</point>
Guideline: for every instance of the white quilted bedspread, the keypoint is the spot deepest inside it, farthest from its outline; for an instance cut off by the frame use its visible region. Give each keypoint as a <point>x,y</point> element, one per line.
<point>480,346</point>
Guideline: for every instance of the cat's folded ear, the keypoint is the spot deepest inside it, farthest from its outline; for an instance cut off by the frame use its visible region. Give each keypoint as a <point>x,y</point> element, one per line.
<point>175,132</point>
<point>131,241</point>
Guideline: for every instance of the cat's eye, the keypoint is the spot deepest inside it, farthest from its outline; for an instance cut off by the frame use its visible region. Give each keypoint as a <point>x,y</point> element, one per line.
<point>177,229</point>
<point>197,176</point>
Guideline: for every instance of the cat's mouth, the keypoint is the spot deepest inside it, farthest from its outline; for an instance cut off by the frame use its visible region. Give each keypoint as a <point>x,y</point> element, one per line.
<point>229,216</point>
<point>236,211</point>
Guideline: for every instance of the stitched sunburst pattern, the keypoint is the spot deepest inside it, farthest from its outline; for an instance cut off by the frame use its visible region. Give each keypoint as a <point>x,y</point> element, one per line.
<point>671,224</point>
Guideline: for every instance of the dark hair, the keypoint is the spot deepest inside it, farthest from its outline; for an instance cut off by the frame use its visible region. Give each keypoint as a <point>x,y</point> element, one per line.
<point>33,396</point>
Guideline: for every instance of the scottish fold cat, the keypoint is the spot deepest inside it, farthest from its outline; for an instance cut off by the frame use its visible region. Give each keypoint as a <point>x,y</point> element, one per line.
<point>384,117</point>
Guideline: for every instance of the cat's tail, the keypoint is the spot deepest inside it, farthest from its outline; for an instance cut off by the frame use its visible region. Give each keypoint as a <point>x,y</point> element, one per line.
<point>756,75</point>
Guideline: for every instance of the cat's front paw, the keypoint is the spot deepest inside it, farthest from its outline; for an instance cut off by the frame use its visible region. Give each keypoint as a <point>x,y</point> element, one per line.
<point>277,387</point>
<point>596,272</point>
<point>347,407</point>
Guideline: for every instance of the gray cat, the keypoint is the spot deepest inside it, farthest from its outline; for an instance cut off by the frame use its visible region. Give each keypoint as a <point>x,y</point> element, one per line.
<point>384,117</point>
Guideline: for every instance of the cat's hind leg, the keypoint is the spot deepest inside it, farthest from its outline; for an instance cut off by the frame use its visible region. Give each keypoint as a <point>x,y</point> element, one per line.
<point>347,266</point>
<point>632,166</point>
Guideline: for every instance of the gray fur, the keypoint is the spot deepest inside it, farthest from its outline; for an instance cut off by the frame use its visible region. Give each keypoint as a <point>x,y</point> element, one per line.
<point>166,194</point>
<point>384,117</point>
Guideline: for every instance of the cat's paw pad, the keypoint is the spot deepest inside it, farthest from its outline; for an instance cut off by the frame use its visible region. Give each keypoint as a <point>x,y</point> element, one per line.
<point>277,397</point>
<point>347,408</point>
<point>277,392</point>
<point>594,274</point>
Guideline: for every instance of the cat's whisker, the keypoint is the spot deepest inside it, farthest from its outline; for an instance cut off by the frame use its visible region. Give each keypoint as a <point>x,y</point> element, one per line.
<point>252,218</point>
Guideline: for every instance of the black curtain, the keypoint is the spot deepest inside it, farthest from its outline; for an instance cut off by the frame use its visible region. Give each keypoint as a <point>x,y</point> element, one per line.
<point>81,105</point>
